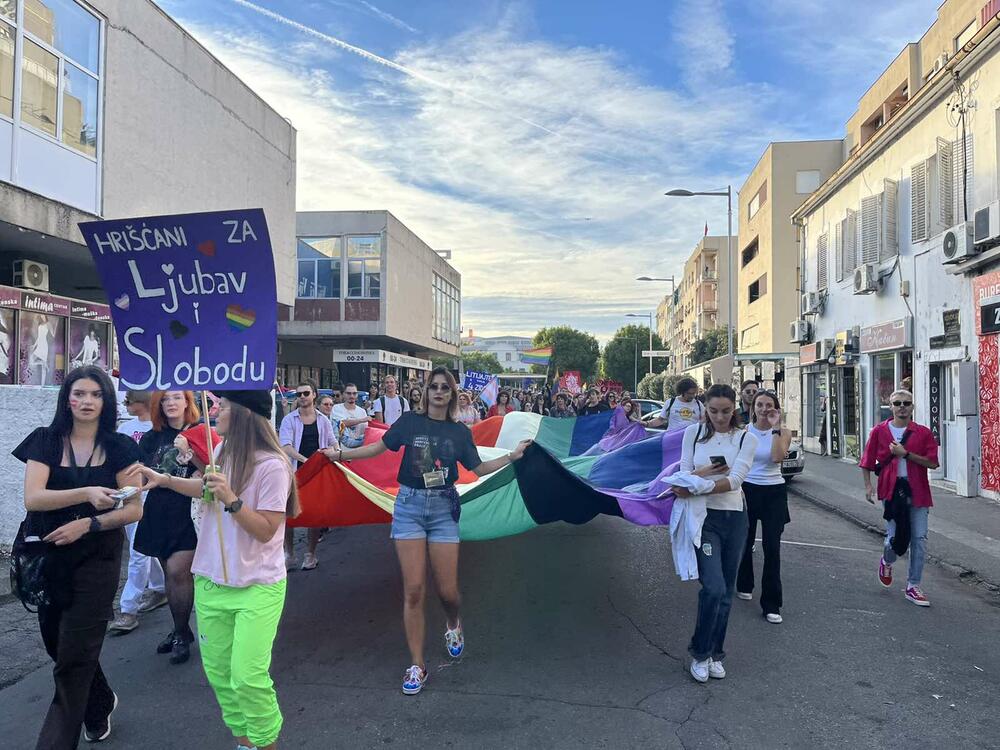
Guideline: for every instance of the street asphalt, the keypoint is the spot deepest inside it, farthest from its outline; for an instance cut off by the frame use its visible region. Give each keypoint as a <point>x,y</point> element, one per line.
<point>576,637</point>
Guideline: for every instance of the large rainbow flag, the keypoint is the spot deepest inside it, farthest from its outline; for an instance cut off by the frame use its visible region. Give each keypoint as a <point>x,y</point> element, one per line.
<point>537,356</point>
<point>576,470</point>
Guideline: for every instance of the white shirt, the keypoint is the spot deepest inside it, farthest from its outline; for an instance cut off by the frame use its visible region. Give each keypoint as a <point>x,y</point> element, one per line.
<point>341,412</point>
<point>390,408</point>
<point>135,428</point>
<point>764,471</point>
<point>682,413</point>
<point>897,435</point>
<point>696,454</point>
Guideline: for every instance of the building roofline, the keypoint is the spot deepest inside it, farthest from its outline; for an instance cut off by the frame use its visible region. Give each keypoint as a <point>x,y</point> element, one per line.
<point>772,144</point>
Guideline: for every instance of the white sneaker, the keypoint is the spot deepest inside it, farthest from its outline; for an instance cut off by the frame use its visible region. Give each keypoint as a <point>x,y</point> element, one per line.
<point>309,562</point>
<point>744,596</point>
<point>699,669</point>
<point>716,670</point>
<point>774,618</point>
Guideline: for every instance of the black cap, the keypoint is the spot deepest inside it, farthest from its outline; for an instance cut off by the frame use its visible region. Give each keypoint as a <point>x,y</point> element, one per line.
<point>259,402</point>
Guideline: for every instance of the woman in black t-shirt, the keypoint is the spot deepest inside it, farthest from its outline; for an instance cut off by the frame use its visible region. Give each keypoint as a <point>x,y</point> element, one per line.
<point>73,467</point>
<point>426,512</point>
<point>166,531</point>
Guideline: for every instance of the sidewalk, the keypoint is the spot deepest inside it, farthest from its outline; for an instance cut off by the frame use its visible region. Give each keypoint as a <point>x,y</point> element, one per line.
<point>964,532</point>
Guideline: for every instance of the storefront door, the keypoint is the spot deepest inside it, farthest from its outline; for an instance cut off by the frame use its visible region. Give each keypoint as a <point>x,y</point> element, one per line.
<point>850,413</point>
<point>941,415</point>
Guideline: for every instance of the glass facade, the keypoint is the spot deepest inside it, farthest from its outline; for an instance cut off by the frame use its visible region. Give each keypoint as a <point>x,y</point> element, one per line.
<point>447,311</point>
<point>60,44</point>
<point>331,267</point>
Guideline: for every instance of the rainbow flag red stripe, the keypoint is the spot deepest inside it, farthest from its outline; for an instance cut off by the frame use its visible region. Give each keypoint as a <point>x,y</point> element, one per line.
<point>537,356</point>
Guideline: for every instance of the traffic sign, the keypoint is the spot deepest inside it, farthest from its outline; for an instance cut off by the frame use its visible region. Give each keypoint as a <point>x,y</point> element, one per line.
<point>656,353</point>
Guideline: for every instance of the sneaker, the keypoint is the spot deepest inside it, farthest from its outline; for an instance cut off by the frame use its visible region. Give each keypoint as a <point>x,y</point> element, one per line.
<point>102,731</point>
<point>915,595</point>
<point>700,669</point>
<point>716,670</point>
<point>309,562</point>
<point>744,596</point>
<point>124,623</point>
<point>289,561</point>
<point>454,641</point>
<point>884,573</point>
<point>413,680</point>
<point>166,645</point>
<point>151,600</point>
<point>774,618</point>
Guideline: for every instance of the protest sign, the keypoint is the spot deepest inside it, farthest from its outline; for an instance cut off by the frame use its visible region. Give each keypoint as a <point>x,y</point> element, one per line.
<point>571,382</point>
<point>475,381</point>
<point>192,297</point>
<point>610,385</point>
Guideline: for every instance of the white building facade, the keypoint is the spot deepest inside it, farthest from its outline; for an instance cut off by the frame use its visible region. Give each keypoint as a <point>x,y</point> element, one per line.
<point>507,349</point>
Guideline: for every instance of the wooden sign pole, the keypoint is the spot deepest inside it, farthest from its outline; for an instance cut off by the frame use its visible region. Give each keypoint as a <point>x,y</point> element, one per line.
<point>207,496</point>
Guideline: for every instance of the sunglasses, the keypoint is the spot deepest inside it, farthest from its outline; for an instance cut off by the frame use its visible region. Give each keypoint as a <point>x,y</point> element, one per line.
<point>303,394</point>
<point>902,403</point>
<point>439,387</point>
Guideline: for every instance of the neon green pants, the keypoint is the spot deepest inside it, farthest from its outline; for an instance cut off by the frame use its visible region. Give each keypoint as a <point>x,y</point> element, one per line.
<point>236,629</point>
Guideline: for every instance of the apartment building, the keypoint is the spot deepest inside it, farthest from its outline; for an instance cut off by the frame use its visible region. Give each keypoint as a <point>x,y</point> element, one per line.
<point>900,248</point>
<point>372,299</point>
<point>507,349</point>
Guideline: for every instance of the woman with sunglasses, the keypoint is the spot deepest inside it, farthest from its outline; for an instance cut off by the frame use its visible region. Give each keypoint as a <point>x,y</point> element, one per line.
<point>166,531</point>
<point>426,512</point>
<point>73,469</point>
<point>767,502</point>
<point>538,405</point>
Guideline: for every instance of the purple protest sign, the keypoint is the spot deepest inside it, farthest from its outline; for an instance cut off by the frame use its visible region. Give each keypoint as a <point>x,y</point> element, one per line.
<point>192,298</point>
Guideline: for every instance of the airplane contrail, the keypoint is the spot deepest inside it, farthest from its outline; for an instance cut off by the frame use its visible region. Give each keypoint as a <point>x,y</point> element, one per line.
<point>372,57</point>
<point>398,22</point>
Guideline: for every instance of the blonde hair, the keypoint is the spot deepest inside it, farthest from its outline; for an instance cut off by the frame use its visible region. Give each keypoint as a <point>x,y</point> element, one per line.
<point>901,392</point>
<point>249,433</point>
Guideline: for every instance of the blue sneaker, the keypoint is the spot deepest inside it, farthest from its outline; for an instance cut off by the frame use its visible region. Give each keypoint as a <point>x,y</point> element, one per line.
<point>454,641</point>
<point>413,681</point>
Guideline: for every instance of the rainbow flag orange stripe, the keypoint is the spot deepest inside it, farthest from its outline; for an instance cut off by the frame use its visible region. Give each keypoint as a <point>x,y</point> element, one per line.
<point>537,356</point>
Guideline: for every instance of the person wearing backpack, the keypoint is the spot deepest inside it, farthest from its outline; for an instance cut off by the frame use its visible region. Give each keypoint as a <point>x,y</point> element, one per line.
<point>391,405</point>
<point>683,409</point>
<point>722,452</point>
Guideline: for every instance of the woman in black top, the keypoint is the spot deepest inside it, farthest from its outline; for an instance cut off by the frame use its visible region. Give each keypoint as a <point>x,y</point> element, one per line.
<point>538,405</point>
<point>166,531</point>
<point>72,469</point>
<point>426,513</point>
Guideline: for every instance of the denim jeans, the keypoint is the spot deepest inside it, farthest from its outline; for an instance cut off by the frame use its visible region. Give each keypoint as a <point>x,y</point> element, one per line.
<point>918,544</point>
<point>722,538</point>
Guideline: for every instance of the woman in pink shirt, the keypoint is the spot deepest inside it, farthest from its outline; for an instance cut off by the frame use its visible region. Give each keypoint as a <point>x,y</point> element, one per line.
<point>240,585</point>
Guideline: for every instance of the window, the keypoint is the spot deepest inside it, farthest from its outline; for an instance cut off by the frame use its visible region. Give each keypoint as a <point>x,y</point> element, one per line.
<point>446,311</point>
<point>319,269</point>
<point>507,357</point>
<point>967,33</point>
<point>750,337</point>
<point>822,261</point>
<point>757,289</point>
<point>751,251</point>
<point>364,262</point>
<point>806,181</point>
<point>757,201</point>
<point>60,44</point>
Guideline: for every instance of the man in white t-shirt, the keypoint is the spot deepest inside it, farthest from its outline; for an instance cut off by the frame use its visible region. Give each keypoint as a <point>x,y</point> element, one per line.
<point>144,588</point>
<point>681,410</point>
<point>349,419</point>
<point>390,406</point>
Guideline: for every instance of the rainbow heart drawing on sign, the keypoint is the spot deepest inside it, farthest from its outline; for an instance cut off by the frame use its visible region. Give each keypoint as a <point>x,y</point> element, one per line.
<point>240,318</point>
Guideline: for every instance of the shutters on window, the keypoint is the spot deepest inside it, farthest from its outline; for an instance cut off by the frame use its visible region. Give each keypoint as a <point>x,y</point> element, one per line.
<point>850,233</point>
<point>838,250</point>
<point>918,202</point>
<point>871,208</point>
<point>889,243</point>
<point>946,185</point>
<point>822,259</point>
<point>962,171</point>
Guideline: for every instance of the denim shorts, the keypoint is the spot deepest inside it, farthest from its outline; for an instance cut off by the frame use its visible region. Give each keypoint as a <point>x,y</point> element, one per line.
<point>423,514</point>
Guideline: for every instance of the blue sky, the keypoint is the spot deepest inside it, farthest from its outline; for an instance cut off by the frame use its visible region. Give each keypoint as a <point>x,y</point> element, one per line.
<point>535,138</point>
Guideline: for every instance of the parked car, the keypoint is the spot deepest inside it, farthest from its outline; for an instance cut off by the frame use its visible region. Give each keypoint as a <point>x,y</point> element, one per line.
<point>793,464</point>
<point>648,408</point>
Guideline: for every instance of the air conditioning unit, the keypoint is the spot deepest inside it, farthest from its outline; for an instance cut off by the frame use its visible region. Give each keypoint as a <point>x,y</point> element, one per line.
<point>941,62</point>
<point>986,224</point>
<point>824,348</point>
<point>30,274</point>
<point>958,243</point>
<point>800,331</point>
<point>866,280</point>
<point>811,302</point>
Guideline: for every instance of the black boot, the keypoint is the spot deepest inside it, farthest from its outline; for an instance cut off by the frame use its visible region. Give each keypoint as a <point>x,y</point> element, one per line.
<point>167,644</point>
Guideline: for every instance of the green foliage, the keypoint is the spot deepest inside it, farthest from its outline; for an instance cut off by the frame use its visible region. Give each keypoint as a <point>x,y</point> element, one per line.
<point>659,386</point>
<point>626,346</point>
<point>444,361</point>
<point>482,362</point>
<point>571,350</point>
<point>669,386</point>
<point>711,345</point>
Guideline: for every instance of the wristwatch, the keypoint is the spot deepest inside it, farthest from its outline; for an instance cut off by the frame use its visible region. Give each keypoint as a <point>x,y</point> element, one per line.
<point>234,508</point>
<point>775,432</point>
<point>95,525</point>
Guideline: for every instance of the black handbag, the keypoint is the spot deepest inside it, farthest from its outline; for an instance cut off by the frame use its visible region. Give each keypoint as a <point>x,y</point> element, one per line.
<point>28,581</point>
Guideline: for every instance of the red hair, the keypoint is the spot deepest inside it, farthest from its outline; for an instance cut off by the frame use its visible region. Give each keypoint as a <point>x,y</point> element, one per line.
<point>192,414</point>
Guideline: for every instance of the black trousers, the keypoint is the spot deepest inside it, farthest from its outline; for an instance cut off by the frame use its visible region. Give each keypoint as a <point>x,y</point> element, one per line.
<point>769,505</point>
<point>73,638</point>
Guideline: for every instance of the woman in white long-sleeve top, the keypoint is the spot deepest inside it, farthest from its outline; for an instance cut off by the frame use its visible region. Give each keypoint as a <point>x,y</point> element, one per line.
<point>722,451</point>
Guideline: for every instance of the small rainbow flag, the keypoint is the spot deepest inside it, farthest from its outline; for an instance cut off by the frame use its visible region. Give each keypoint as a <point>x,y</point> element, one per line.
<point>537,356</point>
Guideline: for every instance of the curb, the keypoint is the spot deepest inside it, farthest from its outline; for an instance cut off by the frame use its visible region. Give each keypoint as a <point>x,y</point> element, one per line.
<point>958,570</point>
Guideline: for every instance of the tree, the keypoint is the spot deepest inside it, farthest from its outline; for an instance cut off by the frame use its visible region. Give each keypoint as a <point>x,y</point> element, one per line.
<point>713,344</point>
<point>482,362</point>
<point>444,361</point>
<point>622,356</point>
<point>571,350</point>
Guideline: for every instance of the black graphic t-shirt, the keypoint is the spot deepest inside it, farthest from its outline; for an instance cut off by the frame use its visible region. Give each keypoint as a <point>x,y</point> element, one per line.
<point>430,445</point>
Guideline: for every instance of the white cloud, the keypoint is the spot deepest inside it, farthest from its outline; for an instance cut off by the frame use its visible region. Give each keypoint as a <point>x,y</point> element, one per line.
<point>464,166</point>
<point>703,41</point>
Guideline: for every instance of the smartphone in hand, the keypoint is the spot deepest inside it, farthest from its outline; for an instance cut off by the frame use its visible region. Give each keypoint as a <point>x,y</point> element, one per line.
<point>718,460</point>
<point>123,494</point>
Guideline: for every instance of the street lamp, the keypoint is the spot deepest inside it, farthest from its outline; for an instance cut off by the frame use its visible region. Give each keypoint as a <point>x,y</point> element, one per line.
<point>649,316</point>
<point>728,193</point>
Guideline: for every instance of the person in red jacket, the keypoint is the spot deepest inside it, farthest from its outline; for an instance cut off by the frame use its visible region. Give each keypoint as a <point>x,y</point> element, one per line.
<point>900,452</point>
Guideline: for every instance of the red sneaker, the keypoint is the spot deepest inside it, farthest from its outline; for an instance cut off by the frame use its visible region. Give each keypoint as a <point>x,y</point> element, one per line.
<point>884,573</point>
<point>916,596</point>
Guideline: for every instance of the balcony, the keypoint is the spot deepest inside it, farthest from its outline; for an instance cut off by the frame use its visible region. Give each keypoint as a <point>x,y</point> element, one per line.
<point>709,274</point>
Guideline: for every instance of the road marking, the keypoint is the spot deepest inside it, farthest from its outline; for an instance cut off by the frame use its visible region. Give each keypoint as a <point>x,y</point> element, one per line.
<point>823,546</point>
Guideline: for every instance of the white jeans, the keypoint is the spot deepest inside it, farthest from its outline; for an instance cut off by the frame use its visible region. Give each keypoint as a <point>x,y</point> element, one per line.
<point>142,572</point>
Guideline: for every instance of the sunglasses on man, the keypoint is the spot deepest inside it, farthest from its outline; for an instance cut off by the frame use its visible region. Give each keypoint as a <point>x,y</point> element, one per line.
<point>303,394</point>
<point>902,403</point>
